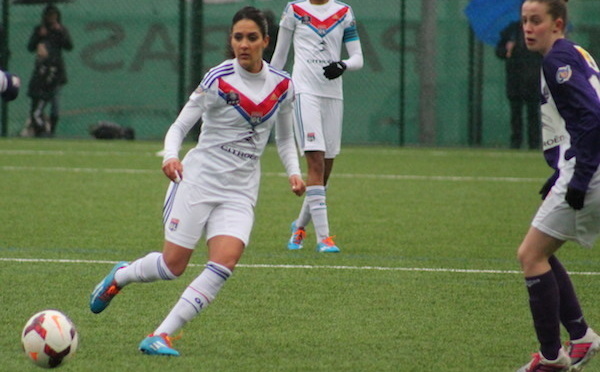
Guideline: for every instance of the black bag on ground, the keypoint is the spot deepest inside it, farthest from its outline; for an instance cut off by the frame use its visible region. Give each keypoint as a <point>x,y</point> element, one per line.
<point>108,130</point>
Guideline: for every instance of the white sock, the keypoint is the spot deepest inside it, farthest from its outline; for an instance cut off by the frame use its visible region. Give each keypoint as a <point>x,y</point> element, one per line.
<point>315,196</point>
<point>198,295</point>
<point>149,268</point>
<point>304,216</point>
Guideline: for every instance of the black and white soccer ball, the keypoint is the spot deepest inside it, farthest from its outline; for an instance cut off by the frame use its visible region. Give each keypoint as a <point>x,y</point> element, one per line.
<point>49,338</point>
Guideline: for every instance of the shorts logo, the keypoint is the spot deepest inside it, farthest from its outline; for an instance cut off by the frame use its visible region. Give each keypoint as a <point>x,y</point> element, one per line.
<point>173,224</point>
<point>563,74</point>
<point>310,137</point>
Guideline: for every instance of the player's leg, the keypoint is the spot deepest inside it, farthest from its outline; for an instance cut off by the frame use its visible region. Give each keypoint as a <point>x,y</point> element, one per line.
<point>228,232</point>
<point>184,223</point>
<point>332,116</point>
<point>584,342</point>
<point>310,138</point>
<point>544,300</point>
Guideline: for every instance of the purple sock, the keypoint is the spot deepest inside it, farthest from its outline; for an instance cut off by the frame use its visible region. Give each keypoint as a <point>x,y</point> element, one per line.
<point>571,315</point>
<point>544,304</point>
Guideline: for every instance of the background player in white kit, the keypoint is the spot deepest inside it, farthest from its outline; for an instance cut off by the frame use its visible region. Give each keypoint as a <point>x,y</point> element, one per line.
<point>318,28</point>
<point>571,207</point>
<point>215,187</point>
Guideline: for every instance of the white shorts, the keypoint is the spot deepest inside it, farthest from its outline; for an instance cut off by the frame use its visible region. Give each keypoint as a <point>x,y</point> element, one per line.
<point>319,124</point>
<point>556,218</point>
<point>189,212</point>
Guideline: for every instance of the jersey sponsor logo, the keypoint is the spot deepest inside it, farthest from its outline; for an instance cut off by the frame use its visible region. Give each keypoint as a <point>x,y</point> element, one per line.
<point>321,27</point>
<point>254,113</point>
<point>238,153</point>
<point>563,74</point>
<point>555,141</point>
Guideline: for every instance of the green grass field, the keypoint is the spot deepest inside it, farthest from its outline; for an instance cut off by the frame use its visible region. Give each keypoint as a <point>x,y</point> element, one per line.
<point>427,279</point>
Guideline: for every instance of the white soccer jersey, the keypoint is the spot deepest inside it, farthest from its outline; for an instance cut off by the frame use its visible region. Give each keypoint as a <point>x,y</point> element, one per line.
<point>555,138</point>
<point>319,33</point>
<point>238,111</point>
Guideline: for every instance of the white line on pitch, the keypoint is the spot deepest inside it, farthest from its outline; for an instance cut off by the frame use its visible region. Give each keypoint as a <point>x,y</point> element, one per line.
<point>274,174</point>
<point>310,267</point>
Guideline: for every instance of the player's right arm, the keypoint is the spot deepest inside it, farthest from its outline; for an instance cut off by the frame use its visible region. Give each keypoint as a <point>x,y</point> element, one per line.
<point>282,49</point>
<point>187,118</point>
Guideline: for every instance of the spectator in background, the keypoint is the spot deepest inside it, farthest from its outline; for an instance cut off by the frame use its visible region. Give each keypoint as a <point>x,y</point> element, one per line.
<point>522,85</point>
<point>49,75</point>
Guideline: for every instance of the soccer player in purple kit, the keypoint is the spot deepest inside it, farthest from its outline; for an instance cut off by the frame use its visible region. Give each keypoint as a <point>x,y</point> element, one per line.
<point>570,87</point>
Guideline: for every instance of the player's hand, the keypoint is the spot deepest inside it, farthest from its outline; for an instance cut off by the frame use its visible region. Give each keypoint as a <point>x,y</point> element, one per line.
<point>334,70</point>
<point>297,184</point>
<point>173,169</point>
<point>575,198</point>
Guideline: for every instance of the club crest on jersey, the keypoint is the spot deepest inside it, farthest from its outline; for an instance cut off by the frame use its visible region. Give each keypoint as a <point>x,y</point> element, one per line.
<point>173,224</point>
<point>232,98</point>
<point>563,74</point>
<point>256,118</point>
<point>305,19</point>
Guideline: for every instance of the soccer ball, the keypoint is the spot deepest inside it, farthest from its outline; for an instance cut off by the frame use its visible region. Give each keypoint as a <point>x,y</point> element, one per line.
<point>49,338</point>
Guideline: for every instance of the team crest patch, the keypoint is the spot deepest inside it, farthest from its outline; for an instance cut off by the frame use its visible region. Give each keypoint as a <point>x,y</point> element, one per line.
<point>173,224</point>
<point>305,20</point>
<point>232,98</point>
<point>563,74</point>
<point>310,137</point>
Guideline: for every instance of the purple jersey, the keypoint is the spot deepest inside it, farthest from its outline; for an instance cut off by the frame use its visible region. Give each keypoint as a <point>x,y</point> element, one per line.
<point>571,113</point>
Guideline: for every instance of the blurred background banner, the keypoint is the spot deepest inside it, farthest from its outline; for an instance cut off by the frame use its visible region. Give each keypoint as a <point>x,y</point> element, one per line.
<point>489,17</point>
<point>428,78</point>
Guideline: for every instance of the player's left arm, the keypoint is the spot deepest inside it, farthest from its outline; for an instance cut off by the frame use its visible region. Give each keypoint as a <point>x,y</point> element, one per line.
<point>355,59</point>
<point>286,148</point>
<point>583,108</point>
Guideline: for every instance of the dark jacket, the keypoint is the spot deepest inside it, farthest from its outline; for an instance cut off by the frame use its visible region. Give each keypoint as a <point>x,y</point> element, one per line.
<point>522,68</point>
<point>50,72</point>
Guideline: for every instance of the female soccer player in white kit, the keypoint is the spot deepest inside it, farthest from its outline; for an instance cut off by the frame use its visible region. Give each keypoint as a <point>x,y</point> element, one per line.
<point>318,28</point>
<point>571,209</point>
<point>215,187</point>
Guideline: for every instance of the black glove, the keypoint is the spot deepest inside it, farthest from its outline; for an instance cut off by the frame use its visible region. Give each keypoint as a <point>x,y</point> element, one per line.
<point>334,70</point>
<point>548,185</point>
<point>575,198</point>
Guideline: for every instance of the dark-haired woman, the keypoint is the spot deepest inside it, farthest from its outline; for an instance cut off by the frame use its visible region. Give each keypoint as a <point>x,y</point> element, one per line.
<point>214,189</point>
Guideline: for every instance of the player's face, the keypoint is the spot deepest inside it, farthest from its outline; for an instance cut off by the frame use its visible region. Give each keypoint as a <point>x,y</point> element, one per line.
<point>541,31</point>
<point>248,44</point>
